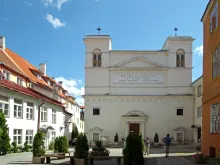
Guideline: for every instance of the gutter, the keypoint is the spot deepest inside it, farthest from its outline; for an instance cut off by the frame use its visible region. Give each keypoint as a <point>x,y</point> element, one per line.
<point>38,120</point>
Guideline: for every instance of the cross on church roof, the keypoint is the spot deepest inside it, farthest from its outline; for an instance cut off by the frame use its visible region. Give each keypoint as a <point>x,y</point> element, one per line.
<point>99,29</point>
<point>175,29</point>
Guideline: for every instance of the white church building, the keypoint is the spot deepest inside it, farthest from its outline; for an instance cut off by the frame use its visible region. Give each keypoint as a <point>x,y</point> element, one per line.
<point>144,91</point>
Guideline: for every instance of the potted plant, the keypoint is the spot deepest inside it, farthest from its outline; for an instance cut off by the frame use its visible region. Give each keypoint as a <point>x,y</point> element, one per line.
<point>99,150</point>
<point>133,151</point>
<point>38,148</point>
<point>62,146</point>
<point>116,139</point>
<point>156,139</point>
<point>81,150</point>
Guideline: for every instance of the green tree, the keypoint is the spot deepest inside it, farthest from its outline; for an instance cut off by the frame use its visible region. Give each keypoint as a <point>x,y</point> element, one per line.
<point>75,132</point>
<point>4,137</point>
<point>38,145</point>
<point>82,147</point>
<point>133,151</point>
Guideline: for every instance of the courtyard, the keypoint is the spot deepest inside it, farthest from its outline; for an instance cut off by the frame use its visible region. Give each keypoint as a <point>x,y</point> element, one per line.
<point>179,156</point>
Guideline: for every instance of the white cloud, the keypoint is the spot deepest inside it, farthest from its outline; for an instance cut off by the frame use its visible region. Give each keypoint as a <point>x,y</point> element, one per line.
<point>28,3</point>
<point>72,87</point>
<point>56,23</point>
<point>199,50</point>
<point>54,3</point>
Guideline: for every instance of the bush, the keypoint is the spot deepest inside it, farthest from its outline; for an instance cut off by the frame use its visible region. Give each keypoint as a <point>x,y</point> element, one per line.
<point>75,132</point>
<point>116,138</point>
<point>15,147</point>
<point>156,138</point>
<point>62,144</point>
<point>82,147</point>
<point>56,144</point>
<point>99,149</point>
<point>38,145</point>
<point>26,147</point>
<point>4,137</point>
<point>51,145</point>
<point>133,151</point>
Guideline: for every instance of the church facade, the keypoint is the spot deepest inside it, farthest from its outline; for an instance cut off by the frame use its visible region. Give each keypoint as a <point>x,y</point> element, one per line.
<point>144,91</point>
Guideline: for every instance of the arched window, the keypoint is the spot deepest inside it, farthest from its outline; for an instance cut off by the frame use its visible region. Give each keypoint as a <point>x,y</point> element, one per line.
<point>180,58</point>
<point>97,58</point>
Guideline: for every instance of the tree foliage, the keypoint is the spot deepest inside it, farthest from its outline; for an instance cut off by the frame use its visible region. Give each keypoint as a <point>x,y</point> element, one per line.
<point>4,137</point>
<point>75,132</point>
<point>38,145</point>
<point>82,147</point>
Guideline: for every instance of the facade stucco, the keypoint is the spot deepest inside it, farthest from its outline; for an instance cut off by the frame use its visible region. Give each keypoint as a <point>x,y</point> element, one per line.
<point>146,82</point>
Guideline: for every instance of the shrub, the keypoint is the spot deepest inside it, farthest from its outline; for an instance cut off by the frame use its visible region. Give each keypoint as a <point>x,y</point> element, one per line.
<point>133,151</point>
<point>116,138</point>
<point>51,145</point>
<point>38,145</point>
<point>75,132</point>
<point>99,149</point>
<point>56,144</point>
<point>82,147</point>
<point>62,144</point>
<point>15,147</point>
<point>4,137</point>
<point>26,147</point>
<point>156,138</point>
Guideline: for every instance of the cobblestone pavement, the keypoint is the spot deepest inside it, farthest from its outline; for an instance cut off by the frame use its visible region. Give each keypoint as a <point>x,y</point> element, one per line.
<point>156,157</point>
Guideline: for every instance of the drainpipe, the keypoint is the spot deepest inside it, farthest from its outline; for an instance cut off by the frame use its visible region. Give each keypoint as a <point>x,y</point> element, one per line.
<point>38,120</point>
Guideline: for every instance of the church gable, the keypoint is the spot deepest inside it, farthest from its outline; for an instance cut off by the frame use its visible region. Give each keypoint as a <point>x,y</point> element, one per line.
<point>138,62</point>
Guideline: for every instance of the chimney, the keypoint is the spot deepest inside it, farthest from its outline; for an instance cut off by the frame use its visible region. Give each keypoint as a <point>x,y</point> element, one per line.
<point>60,83</point>
<point>2,42</point>
<point>43,68</point>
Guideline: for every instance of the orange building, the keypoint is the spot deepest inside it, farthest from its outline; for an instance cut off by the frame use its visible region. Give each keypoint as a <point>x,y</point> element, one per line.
<point>211,80</point>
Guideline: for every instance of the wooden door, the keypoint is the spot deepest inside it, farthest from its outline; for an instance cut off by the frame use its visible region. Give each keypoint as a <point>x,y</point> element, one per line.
<point>135,127</point>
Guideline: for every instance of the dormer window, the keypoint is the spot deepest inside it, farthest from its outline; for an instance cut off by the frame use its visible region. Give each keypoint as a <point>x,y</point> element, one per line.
<point>38,76</point>
<point>97,58</point>
<point>6,75</point>
<point>214,18</point>
<point>180,58</point>
<point>19,81</point>
<point>48,82</point>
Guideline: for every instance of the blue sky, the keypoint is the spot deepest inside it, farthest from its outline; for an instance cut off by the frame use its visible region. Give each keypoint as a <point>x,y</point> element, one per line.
<point>53,30</point>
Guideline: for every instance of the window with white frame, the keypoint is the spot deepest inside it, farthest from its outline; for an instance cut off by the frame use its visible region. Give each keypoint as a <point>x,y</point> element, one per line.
<point>199,112</point>
<point>17,137</point>
<point>53,116</point>
<point>199,91</point>
<point>4,105</point>
<point>95,136</point>
<point>53,136</point>
<point>180,58</point>
<point>214,18</point>
<point>18,108</point>
<point>29,137</point>
<point>19,81</point>
<point>30,111</point>
<point>6,75</point>
<point>44,114</point>
<point>215,118</point>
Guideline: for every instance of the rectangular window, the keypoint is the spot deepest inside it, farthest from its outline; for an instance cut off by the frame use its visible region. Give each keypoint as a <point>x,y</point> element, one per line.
<point>97,58</point>
<point>29,137</point>
<point>19,81</point>
<point>44,114</point>
<point>18,108</point>
<point>53,116</point>
<point>17,136</point>
<point>96,111</point>
<point>199,90</point>
<point>179,112</point>
<point>180,60</point>
<point>77,121</point>
<point>4,105</point>
<point>30,111</point>
<point>216,63</point>
<point>199,112</point>
<point>214,18</point>
<point>53,136</point>
<point>215,118</point>
<point>6,75</point>
<point>95,136</point>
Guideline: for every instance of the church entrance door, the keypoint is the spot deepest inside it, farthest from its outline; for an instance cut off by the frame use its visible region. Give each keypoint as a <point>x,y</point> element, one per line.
<point>135,127</point>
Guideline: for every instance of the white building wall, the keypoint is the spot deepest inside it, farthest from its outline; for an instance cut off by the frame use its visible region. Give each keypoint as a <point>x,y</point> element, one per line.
<point>26,124</point>
<point>171,90</point>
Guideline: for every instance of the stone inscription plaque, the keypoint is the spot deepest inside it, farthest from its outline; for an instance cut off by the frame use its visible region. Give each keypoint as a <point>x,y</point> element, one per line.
<point>139,79</point>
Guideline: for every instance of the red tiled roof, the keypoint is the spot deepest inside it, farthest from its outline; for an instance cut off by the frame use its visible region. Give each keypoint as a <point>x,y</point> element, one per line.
<point>28,91</point>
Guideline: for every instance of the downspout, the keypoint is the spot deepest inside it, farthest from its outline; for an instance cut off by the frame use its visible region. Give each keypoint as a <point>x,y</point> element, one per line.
<point>38,120</point>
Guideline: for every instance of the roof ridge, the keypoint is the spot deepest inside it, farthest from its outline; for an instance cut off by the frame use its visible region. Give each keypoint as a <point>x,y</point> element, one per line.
<point>13,61</point>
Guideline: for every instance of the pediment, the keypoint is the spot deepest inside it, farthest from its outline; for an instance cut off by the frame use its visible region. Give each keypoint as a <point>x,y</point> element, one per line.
<point>138,62</point>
